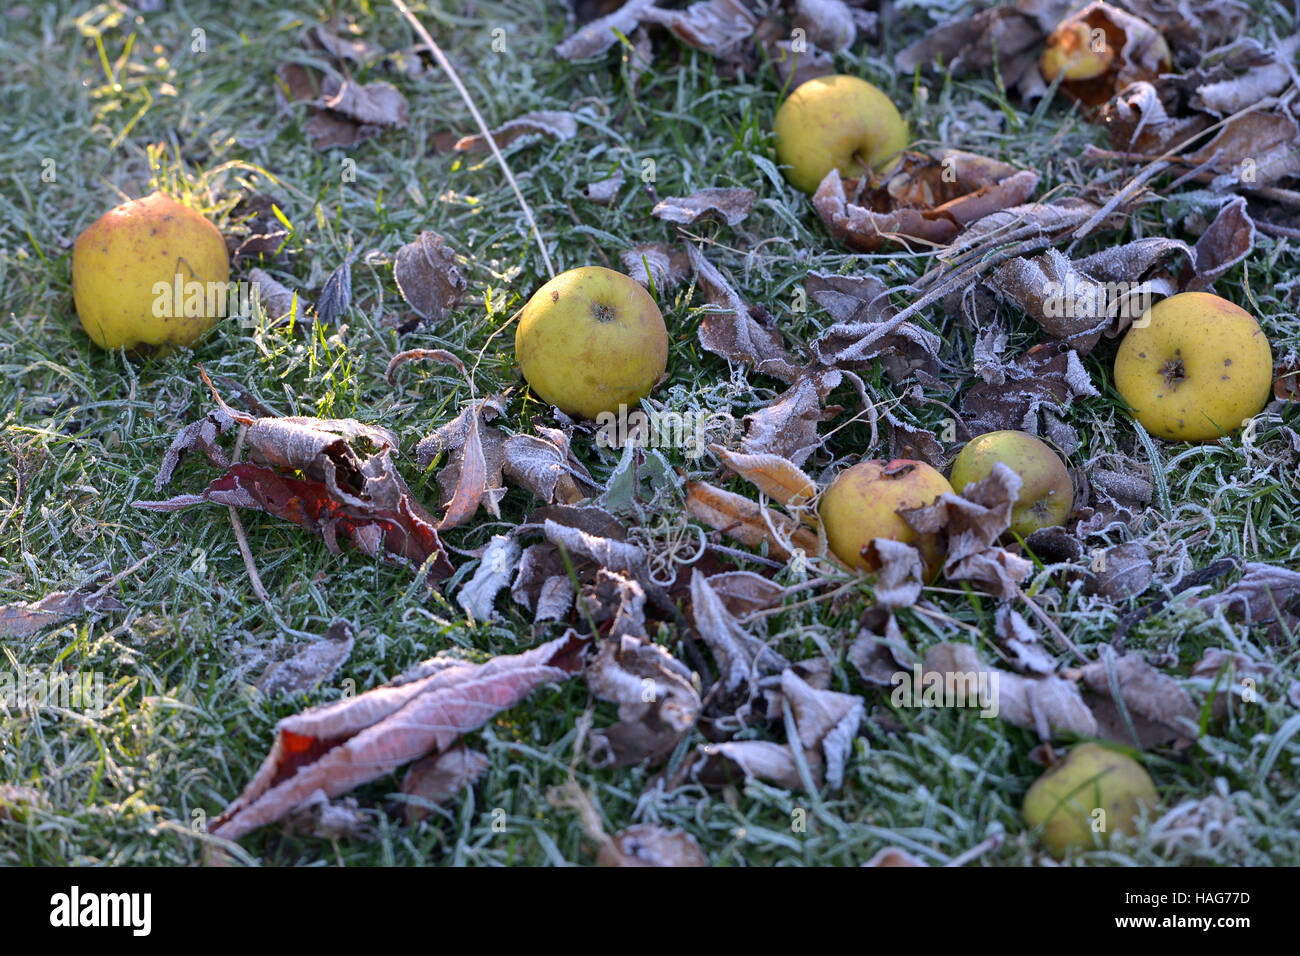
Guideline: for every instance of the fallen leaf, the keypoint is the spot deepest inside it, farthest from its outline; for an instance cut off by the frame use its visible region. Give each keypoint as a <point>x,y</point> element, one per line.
<point>657,264</point>
<point>776,477</point>
<point>339,746</point>
<point>555,125</point>
<point>440,778</point>
<point>24,619</point>
<point>313,665</point>
<point>599,35</point>
<point>1049,705</point>
<point>734,332</point>
<point>968,526</point>
<point>493,574</point>
<point>657,704</point>
<point>716,27</point>
<point>1266,594</point>
<point>742,658</point>
<point>748,522</point>
<point>788,426</point>
<point>646,844</point>
<point>427,276</point>
<point>729,205</point>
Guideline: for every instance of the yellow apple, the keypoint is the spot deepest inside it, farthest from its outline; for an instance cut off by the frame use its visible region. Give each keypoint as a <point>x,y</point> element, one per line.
<point>1194,367</point>
<point>863,502</point>
<point>1046,493</point>
<point>1093,793</point>
<point>591,340</point>
<point>1070,50</point>
<point>149,272</point>
<point>837,122</point>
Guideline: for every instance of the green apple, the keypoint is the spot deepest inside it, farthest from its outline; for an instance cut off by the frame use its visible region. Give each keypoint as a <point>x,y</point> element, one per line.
<point>1093,793</point>
<point>837,122</point>
<point>863,502</point>
<point>1046,493</point>
<point>590,340</point>
<point>1194,367</point>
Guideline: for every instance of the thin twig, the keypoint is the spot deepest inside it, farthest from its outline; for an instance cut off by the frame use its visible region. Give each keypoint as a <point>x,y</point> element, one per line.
<point>244,549</point>
<point>452,75</point>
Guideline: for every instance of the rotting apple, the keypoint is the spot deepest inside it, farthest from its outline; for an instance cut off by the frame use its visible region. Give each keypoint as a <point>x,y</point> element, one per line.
<point>863,502</point>
<point>1194,367</point>
<point>1046,492</point>
<point>837,122</point>
<point>123,262</point>
<point>590,340</point>
<point>1094,792</point>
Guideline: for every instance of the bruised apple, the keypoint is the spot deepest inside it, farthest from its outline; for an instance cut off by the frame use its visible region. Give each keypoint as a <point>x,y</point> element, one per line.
<point>1093,793</point>
<point>149,272</point>
<point>1194,367</point>
<point>863,502</point>
<point>1046,492</point>
<point>590,340</point>
<point>837,122</point>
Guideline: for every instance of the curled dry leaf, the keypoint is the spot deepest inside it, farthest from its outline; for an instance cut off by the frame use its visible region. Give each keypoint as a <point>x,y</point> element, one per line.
<point>427,276</point>
<point>777,477</point>
<point>744,592</point>
<point>1006,36</point>
<point>495,569</point>
<point>403,534</point>
<point>1048,705</point>
<point>605,191</point>
<point>927,203</point>
<point>1137,690</point>
<point>657,703</point>
<point>599,35</point>
<point>657,264</point>
<point>553,124</point>
<point>339,746</point>
<point>1230,238</point>
<point>345,488</point>
<point>828,24</point>
<point>734,332</point>
<point>1045,380</point>
<point>279,302</point>
<point>316,663</point>
<point>24,619</point>
<point>742,658</point>
<point>732,762</point>
<point>825,720</point>
<point>646,844</point>
<point>442,777</point>
<point>1266,595</point>
<point>898,582</point>
<point>788,426</point>
<point>968,525</point>
<point>729,205</point>
<point>475,452</point>
<point>864,331</point>
<point>348,112</point>
<point>716,27</point>
<point>1023,642</point>
<point>748,522</point>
